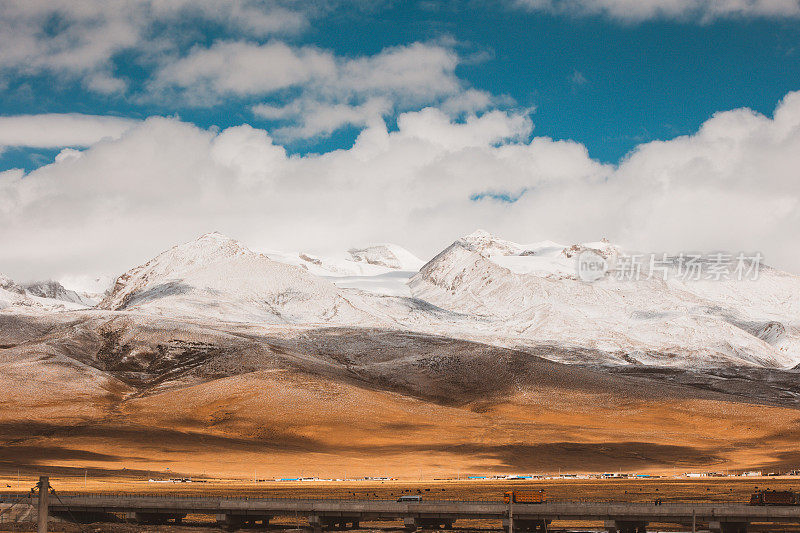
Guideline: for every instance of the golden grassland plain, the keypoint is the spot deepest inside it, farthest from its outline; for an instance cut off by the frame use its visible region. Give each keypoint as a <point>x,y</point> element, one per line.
<point>305,427</point>
<point>668,489</point>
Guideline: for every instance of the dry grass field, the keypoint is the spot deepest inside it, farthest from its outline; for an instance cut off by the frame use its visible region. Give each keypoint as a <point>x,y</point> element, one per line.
<point>623,490</point>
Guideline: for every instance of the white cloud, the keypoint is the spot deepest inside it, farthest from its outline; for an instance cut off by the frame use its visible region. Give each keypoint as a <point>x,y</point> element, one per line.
<point>58,130</point>
<point>577,78</point>
<point>472,101</point>
<point>699,10</point>
<point>733,185</point>
<point>333,91</point>
<point>318,90</point>
<point>244,69</point>
<point>311,117</point>
<point>79,38</point>
<point>259,18</point>
<point>416,73</point>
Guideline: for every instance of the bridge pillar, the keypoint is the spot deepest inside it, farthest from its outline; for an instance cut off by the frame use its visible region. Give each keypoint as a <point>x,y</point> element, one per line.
<point>625,526</point>
<point>44,493</point>
<point>319,523</point>
<point>230,521</point>
<point>728,527</point>
<point>411,523</point>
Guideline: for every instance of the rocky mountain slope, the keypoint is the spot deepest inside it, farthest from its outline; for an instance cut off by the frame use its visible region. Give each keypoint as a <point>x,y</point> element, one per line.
<point>143,392</point>
<point>533,294</point>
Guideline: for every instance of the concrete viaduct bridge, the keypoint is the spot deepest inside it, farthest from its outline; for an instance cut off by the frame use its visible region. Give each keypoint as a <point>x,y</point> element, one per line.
<point>325,514</point>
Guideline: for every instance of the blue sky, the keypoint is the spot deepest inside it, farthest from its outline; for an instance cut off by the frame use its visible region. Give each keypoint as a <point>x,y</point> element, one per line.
<point>663,125</point>
<point>607,82</point>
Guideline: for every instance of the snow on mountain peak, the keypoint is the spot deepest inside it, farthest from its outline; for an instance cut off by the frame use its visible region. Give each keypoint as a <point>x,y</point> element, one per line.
<point>8,284</point>
<point>488,245</point>
<point>535,294</point>
<point>478,234</point>
<point>216,243</point>
<point>602,247</point>
<point>38,297</point>
<point>480,286</point>
<point>544,258</point>
<point>56,291</point>
<point>388,255</point>
<point>218,277</point>
<point>214,236</point>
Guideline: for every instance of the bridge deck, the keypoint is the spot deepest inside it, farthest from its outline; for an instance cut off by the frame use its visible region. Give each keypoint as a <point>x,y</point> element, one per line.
<point>457,509</point>
<point>365,510</point>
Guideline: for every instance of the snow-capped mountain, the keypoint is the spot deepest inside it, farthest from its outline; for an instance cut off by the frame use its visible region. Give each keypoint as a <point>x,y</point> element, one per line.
<point>533,293</point>
<point>7,284</point>
<point>56,291</point>
<point>10,292</point>
<point>38,297</point>
<point>218,277</point>
<point>541,258</point>
<point>479,288</point>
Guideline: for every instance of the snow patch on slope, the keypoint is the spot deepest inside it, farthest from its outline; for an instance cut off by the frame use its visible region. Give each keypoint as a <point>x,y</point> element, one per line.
<point>381,269</point>
<point>387,255</point>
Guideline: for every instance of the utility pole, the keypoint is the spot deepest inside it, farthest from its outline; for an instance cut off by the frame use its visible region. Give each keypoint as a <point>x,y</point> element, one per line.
<point>511,513</point>
<point>44,493</point>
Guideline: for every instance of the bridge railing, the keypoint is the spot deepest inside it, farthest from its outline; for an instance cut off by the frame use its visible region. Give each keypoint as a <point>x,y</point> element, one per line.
<point>212,496</point>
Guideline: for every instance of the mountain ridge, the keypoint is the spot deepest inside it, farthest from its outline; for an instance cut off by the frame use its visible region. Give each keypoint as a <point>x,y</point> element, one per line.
<point>479,288</point>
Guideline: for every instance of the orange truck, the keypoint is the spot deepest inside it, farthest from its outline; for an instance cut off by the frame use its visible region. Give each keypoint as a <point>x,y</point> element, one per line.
<point>524,496</point>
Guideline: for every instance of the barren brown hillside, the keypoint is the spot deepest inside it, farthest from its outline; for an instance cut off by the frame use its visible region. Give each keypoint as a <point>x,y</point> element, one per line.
<point>112,392</point>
